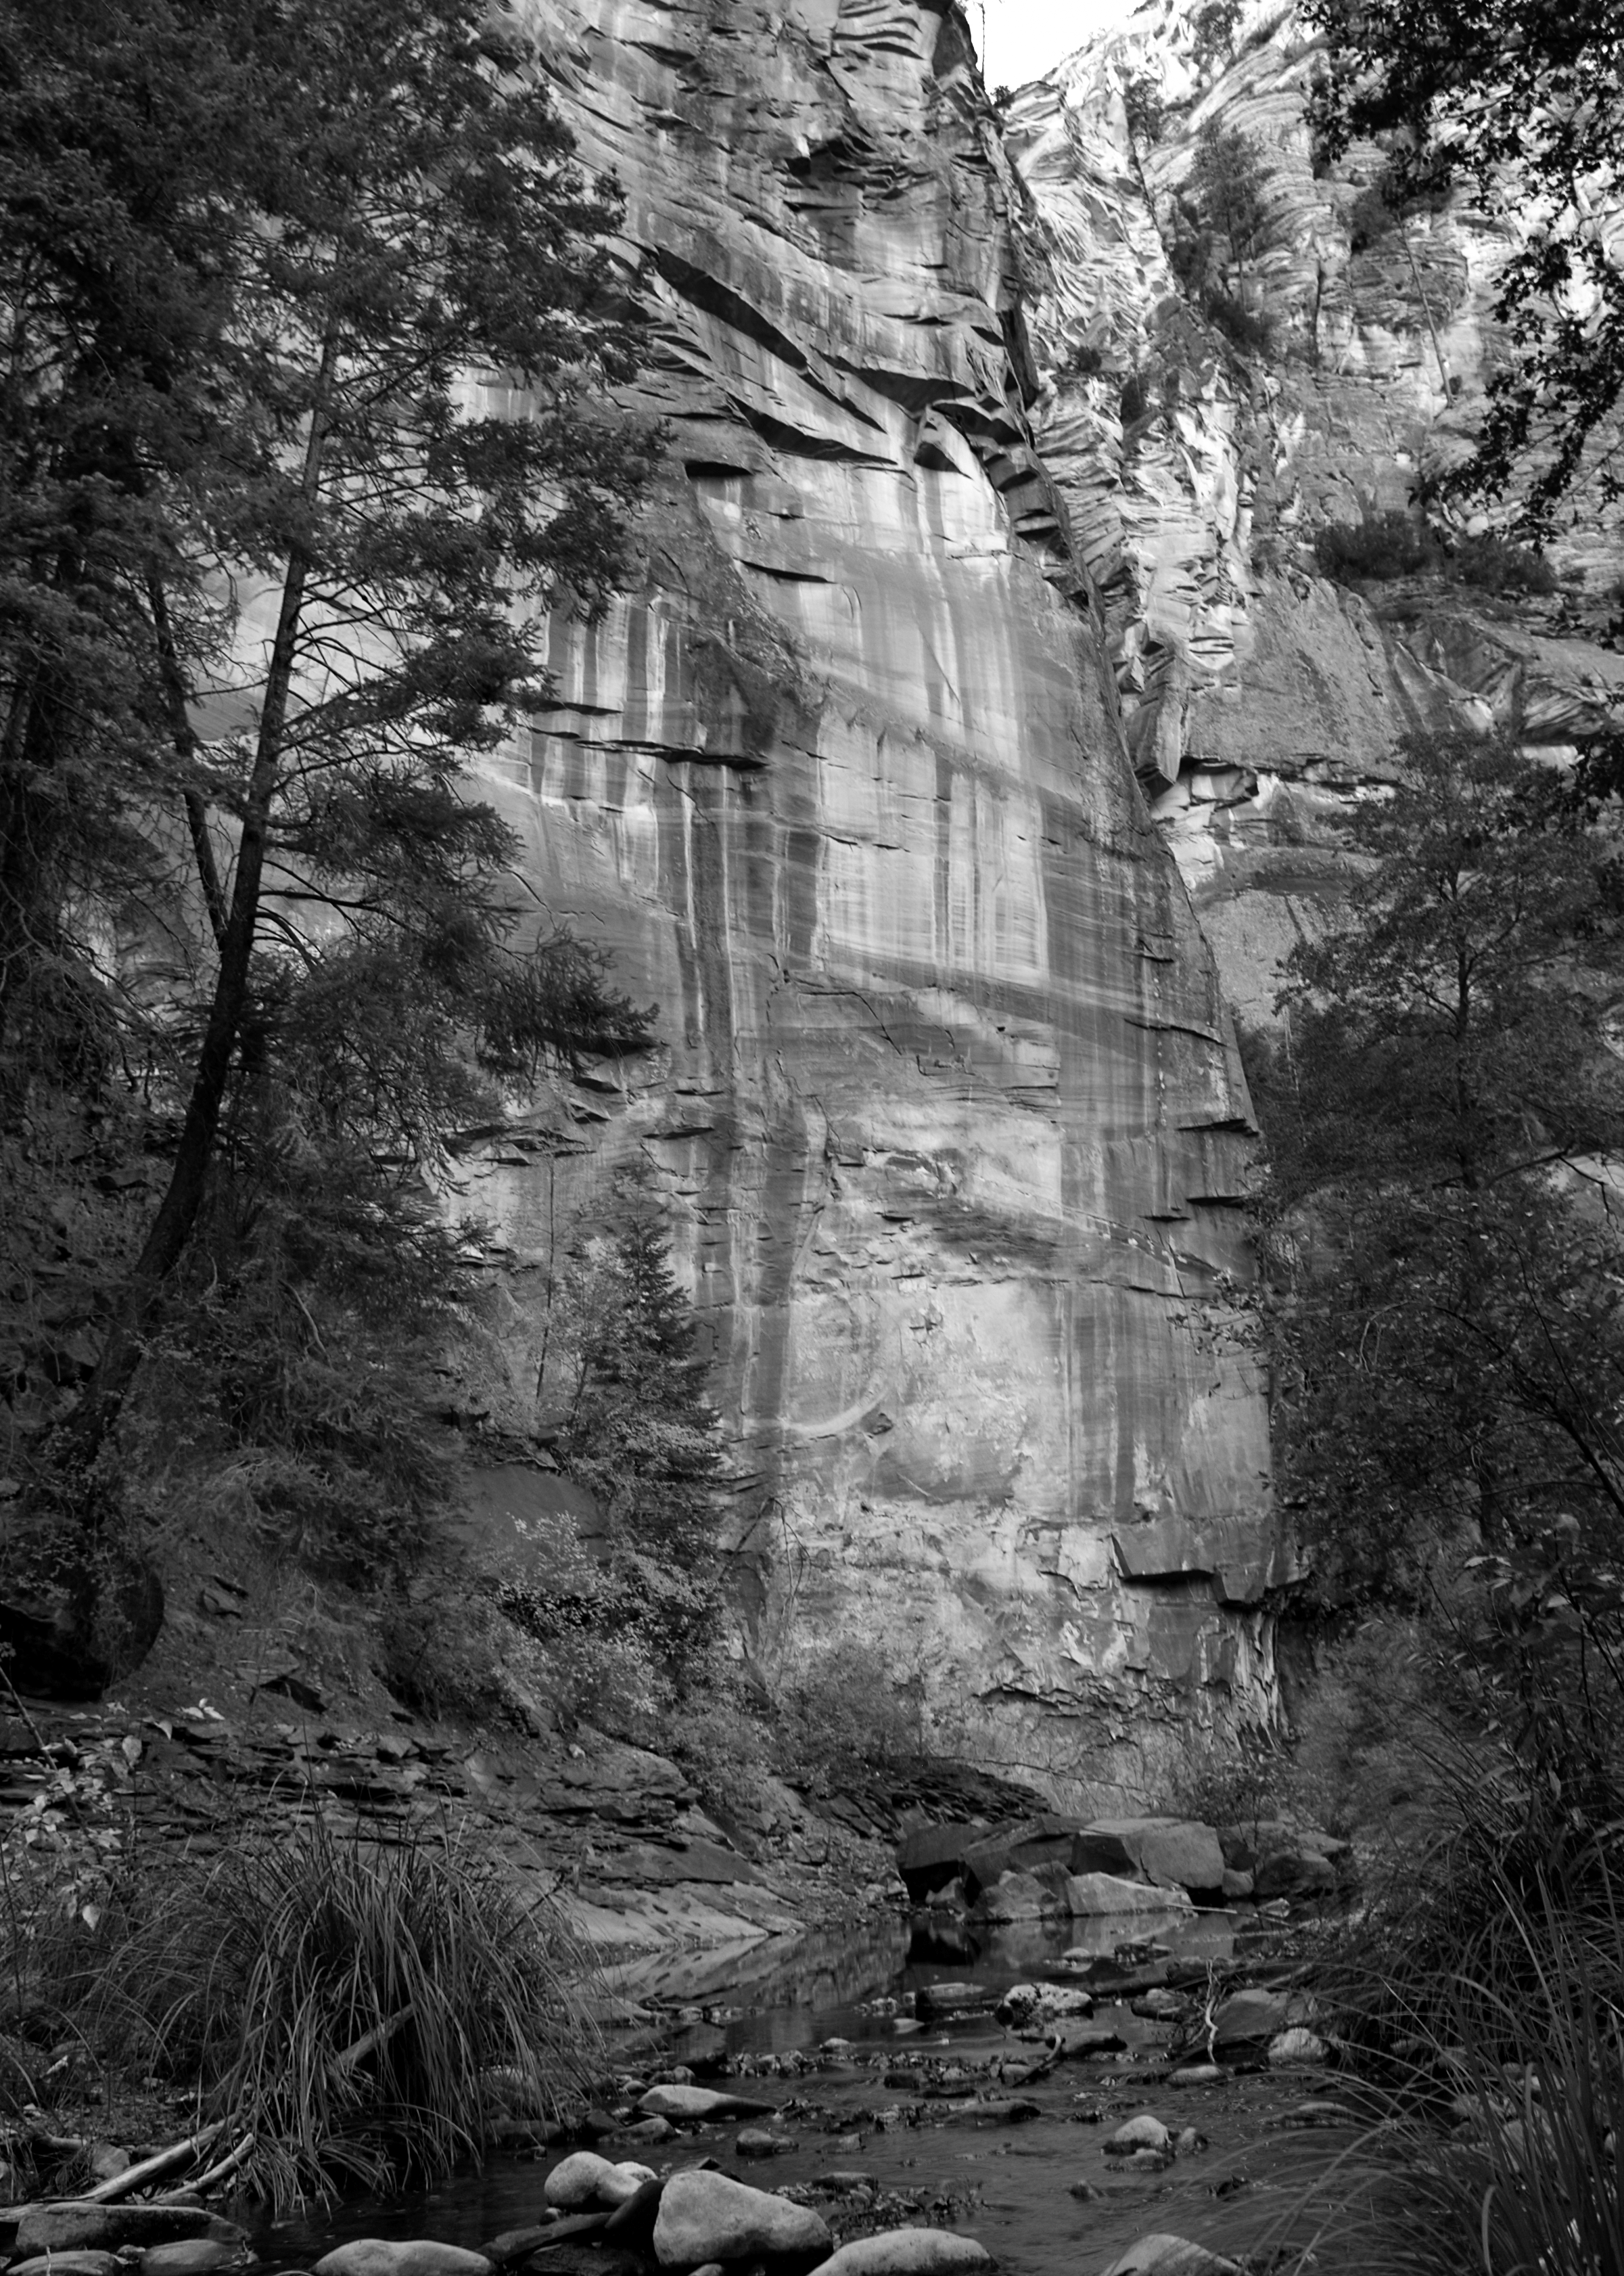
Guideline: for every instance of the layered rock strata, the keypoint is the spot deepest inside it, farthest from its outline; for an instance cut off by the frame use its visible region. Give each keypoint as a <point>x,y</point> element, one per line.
<point>946,1111</point>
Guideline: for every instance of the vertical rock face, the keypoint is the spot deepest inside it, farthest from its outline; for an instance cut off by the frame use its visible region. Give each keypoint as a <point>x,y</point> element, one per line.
<point>1259,697</point>
<point>946,1109</point>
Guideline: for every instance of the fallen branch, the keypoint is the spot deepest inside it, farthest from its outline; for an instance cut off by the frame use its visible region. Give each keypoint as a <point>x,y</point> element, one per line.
<point>136,2177</point>
<point>238,2157</point>
<point>380,2036</point>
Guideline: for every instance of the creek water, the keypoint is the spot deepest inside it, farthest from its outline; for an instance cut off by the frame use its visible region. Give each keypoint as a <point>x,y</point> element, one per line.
<point>734,2018</point>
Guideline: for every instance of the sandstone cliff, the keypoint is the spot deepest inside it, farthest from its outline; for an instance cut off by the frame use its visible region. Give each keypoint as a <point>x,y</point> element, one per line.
<point>1257,696</point>
<point>946,1111</point>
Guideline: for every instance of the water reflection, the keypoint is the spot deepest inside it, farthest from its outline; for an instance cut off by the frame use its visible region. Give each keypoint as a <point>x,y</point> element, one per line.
<point>787,1992</point>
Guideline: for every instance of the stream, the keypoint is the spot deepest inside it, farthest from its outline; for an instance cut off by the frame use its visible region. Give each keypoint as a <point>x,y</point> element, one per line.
<point>758,2022</point>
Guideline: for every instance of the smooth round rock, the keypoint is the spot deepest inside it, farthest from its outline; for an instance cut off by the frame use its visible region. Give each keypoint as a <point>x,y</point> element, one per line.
<point>907,2252</point>
<point>701,2102</point>
<point>756,2142</point>
<point>575,2180</point>
<point>622,2183</point>
<point>1145,2131</point>
<point>69,2263</point>
<point>1297,2045</point>
<point>195,2256</point>
<point>705,2216</point>
<point>421,2255</point>
<point>1170,2255</point>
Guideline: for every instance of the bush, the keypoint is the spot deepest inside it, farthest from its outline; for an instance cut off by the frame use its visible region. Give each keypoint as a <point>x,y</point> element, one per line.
<point>1250,331</point>
<point>844,1714</point>
<point>1394,544</point>
<point>1494,565</point>
<point>365,2014</point>
<point>1398,543</point>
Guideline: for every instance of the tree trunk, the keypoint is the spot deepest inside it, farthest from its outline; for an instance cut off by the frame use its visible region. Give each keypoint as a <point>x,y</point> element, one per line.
<point>86,1430</point>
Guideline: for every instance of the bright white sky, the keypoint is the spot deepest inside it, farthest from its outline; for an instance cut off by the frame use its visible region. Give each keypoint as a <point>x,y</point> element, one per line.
<point>1020,39</point>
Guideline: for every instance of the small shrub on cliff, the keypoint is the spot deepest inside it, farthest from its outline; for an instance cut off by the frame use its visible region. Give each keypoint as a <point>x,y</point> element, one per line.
<point>1390,544</point>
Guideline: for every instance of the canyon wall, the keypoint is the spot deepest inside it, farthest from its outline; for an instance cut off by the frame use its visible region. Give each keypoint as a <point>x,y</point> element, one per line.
<point>946,1114</point>
<point>1260,698</point>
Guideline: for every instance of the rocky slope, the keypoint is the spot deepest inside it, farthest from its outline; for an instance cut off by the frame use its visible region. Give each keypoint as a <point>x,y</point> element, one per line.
<point>1259,696</point>
<point>946,1111</point>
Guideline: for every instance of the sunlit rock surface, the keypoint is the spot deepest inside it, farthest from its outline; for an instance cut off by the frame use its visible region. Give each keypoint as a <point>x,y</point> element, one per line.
<point>1259,696</point>
<point>947,1110</point>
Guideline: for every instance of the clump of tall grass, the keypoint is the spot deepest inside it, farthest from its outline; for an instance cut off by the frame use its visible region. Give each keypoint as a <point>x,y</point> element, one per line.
<point>1487,2000</point>
<point>366,2011</point>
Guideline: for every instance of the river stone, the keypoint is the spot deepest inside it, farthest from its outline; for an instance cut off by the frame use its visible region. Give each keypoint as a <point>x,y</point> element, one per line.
<point>575,2180</point>
<point>1170,2255</point>
<point>1297,2045</point>
<point>700,2102</point>
<point>705,2216</point>
<point>1089,1893</point>
<point>1143,2131</point>
<point>418,2255</point>
<point>192,2255</point>
<point>69,2264</point>
<point>1074,2042</point>
<point>907,2252</point>
<point>756,2142</point>
<point>1255,2016</point>
<point>1023,2004</point>
<point>647,2132</point>
<point>75,2227</point>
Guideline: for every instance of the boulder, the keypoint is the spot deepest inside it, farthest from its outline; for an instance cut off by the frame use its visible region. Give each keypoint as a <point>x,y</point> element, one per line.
<point>1089,1894</point>
<point>78,2227</point>
<point>1020,1848</point>
<point>1176,1852</point>
<point>705,2216</point>
<point>698,2103</point>
<point>907,2252</point>
<point>934,1858</point>
<point>756,2142</point>
<point>418,2255</point>
<point>1170,2255</point>
<point>1237,1886</point>
<point>1145,2131</point>
<point>1096,1851</point>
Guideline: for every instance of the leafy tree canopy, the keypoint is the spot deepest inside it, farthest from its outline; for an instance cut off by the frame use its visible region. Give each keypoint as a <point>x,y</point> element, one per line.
<point>1526,103</point>
<point>1448,1326</point>
<point>307,424</point>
